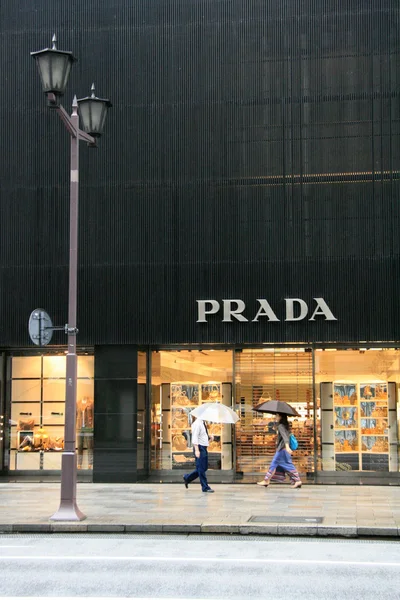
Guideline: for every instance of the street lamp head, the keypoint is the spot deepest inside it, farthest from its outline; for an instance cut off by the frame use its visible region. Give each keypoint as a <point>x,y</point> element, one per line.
<point>54,69</point>
<point>93,112</point>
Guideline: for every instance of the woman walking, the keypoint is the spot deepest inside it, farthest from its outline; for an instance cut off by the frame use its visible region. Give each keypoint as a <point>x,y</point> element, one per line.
<point>282,457</point>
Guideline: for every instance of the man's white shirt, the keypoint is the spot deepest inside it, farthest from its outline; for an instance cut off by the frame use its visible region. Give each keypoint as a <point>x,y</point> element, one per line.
<point>199,434</point>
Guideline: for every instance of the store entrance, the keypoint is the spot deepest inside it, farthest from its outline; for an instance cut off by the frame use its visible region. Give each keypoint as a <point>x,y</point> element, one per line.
<point>281,374</point>
<point>181,381</point>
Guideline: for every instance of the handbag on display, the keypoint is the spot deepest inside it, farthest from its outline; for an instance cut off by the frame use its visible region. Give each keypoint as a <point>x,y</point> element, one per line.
<point>179,442</point>
<point>26,425</point>
<point>180,420</point>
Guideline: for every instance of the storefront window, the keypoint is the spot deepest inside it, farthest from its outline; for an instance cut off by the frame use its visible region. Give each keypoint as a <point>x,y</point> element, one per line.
<point>279,374</point>
<point>182,380</point>
<point>358,393</point>
<point>38,412</point>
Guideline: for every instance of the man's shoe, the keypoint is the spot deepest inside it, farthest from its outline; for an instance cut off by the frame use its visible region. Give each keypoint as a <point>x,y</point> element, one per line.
<point>186,483</point>
<point>209,491</point>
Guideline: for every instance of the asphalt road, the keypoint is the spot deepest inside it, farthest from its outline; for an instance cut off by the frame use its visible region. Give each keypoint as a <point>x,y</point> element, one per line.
<point>200,567</point>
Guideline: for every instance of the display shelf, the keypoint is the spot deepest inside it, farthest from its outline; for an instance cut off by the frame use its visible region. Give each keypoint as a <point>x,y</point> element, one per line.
<point>373,409</point>
<point>26,402</point>
<point>366,416</point>
<point>184,397</point>
<point>341,428</point>
<point>51,451</point>
<point>380,401</point>
<point>178,428</point>
<point>52,401</point>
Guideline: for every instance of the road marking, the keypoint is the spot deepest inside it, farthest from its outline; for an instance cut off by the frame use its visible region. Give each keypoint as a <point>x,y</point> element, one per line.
<point>170,559</point>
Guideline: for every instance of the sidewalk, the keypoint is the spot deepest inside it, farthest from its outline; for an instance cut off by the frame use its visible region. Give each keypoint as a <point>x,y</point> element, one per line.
<point>313,510</point>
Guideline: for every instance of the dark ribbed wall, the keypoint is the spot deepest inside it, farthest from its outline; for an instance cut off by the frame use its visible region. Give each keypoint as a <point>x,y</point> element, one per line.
<point>253,151</point>
<point>115,414</point>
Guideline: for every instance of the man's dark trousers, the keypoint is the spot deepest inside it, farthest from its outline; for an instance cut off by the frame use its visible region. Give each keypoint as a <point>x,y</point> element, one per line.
<point>201,468</point>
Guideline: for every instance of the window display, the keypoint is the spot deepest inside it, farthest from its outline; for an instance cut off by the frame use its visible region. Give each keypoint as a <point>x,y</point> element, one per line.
<point>38,412</point>
<point>212,392</point>
<point>361,426</point>
<point>180,381</point>
<point>184,398</point>
<point>358,392</point>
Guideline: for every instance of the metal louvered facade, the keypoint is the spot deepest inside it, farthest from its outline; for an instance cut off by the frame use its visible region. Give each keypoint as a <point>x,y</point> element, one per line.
<point>245,198</point>
<point>253,151</point>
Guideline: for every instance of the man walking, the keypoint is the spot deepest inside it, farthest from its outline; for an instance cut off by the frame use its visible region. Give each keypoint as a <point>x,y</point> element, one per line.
<point>200,441</point>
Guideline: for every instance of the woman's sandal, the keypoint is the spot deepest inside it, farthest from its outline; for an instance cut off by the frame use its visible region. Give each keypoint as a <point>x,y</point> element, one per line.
<point>263,483</point>
<point>296,485</point>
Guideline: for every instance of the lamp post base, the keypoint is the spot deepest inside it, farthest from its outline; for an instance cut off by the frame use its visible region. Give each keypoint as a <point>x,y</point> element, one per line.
<point>68,510</point>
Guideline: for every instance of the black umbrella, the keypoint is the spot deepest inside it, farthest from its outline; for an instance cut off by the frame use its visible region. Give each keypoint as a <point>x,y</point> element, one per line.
<point>276,406</point>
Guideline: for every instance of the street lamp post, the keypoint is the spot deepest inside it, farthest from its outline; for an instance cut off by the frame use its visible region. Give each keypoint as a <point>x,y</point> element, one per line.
<point>54,68</point>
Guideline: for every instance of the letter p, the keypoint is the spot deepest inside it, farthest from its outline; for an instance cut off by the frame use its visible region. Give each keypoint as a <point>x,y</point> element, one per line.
<point>202,312</point>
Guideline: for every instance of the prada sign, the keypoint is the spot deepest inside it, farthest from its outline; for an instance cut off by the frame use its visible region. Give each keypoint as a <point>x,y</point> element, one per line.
<point>295,309</point>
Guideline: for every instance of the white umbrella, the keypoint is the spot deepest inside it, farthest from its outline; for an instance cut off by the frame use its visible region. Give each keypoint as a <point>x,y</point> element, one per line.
<point>215,412</point>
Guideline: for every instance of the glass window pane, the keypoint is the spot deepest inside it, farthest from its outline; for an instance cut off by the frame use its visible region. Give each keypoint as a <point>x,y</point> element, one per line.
<point>358,390</point>
<point>26,390</point>
<point>182,380</point>
<point>53,390</point>
<point>38,412</point>
<point>26,366</point>
<point>54,366</point>
<point>86,366</point>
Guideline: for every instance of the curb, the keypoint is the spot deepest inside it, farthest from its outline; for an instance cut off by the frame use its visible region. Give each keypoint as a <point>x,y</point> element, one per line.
<point>344,531</point>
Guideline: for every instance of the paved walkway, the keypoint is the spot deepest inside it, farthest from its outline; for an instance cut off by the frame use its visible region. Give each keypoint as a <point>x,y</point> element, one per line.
<point>245,509</point>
